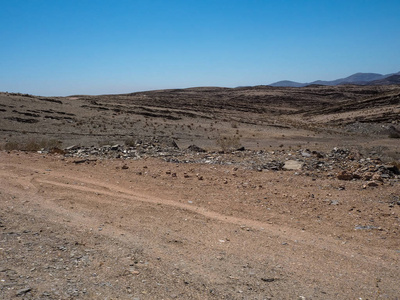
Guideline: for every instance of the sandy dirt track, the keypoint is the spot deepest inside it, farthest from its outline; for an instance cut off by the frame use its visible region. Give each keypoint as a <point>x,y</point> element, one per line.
<point>99,231</point>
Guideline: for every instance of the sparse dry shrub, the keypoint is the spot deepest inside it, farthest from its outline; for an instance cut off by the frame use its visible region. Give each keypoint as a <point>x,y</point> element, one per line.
<point>396,164</point>
<point>33,145</point>
<point>130,142</point>
<point>12,146</point>
<point>394,135</point>
<point>228,143</point>
<point>105,143</point>
<point>51,144</point>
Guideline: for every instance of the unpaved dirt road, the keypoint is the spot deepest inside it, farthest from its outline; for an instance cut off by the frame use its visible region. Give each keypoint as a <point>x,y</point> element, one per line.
<point>96,230</point>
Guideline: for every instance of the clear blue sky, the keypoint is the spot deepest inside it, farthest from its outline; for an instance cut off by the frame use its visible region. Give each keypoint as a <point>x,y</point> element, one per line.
<point>64,47</point>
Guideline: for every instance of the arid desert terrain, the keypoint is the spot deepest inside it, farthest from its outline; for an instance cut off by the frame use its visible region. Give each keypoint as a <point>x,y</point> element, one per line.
<point>202,193</point>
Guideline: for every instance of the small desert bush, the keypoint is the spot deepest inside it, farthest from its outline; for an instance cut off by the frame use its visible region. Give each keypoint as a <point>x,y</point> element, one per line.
<point>394,135</point>
<point>33,145</point>
<point>12,146</point>
<point>130,142</point>
<point>396,164</point>
<point>228,143</point>
<point>234,124</point>
<point>105,142</point>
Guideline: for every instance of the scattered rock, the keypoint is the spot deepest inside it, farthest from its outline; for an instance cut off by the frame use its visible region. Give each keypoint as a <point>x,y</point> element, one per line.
<point>195,148</point>
<point>377,177</point>
<point>292,165</point>
<point>311,162</point>
<point>80,161</point>
<point>173,144</point>
<point>23,291</point>
<point>367,227</point>
<point>56,150</point>
<point>70,148</point>
<point>318,154</point>
<point>133,271</point>
<point>344,175</point>
<point>367,175</point>
<point>372,183</point>
<point>268,279</point>
<point>392,168</point>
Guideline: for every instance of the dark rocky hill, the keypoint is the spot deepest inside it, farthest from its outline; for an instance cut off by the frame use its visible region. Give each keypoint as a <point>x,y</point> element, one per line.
<point>394,79</point>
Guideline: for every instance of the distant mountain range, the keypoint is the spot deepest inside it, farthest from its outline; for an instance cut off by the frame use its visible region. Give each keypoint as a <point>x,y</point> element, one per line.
<point>358,78</point>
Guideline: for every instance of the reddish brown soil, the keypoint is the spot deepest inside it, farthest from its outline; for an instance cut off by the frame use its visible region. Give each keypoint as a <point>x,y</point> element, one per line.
<point>98,231</point>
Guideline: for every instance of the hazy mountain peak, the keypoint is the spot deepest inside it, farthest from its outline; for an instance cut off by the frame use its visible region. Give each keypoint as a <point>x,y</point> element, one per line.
<point>287,83</point>
<point>356,78</point>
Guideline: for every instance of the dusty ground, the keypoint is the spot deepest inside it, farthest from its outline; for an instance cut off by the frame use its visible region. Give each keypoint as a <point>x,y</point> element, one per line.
<point>96,230</point>
<point>151,221</point>
<point>261,117</point>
